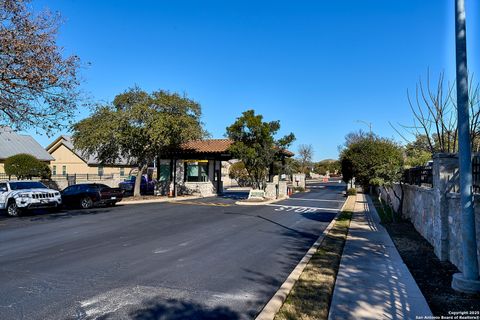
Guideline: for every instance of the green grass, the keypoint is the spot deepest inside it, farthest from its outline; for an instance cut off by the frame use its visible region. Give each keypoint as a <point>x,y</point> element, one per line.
<point>311,295</point>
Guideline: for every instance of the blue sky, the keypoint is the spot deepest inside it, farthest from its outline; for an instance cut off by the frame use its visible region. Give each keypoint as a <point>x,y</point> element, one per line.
<point>317,66</point>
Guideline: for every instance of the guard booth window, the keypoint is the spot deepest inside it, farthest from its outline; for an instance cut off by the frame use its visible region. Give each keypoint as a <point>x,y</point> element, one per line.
<point>164,172</point>
<point>196,171</point>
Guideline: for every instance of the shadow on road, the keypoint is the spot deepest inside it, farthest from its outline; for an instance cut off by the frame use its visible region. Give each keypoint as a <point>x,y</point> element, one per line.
<point>173,309</point>
<point>44,215</point>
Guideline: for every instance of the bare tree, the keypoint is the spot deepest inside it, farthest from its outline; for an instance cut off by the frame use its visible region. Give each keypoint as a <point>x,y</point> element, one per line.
<point>434,112</point>
<point>38,86</point>
<point>305,152</point>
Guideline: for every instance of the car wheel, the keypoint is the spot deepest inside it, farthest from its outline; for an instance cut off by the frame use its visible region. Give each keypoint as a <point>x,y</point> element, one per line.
<point>86,203</point>
<point>12,209</point>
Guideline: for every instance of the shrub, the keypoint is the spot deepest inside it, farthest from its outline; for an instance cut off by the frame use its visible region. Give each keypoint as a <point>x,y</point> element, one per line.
<point>239,173</point>
<point>351,192</point>
<point>298,189</point>
<point>25,166</point>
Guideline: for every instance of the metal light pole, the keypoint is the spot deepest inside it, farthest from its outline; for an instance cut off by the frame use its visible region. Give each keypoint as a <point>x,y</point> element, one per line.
<point>468,281</point>
<point>369,124</point>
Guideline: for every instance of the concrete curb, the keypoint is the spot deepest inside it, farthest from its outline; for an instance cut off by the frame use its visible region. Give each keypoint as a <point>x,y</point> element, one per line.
<point>159,200</point>
<point>273,306</point>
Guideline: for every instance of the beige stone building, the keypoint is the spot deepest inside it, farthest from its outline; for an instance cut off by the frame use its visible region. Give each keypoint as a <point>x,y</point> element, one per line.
<point>68,160</point>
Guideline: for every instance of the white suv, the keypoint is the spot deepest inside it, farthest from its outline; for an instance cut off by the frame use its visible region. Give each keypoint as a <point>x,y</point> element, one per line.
<point>16,196</point>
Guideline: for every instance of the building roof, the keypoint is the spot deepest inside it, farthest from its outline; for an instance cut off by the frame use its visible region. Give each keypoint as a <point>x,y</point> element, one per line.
<point>12,143</point>
<point>88,159</point>
<point>215,146</point>
<point>207,146</point>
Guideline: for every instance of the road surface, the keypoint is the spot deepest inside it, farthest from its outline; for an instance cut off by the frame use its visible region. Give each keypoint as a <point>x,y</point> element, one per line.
<point>201,259</point>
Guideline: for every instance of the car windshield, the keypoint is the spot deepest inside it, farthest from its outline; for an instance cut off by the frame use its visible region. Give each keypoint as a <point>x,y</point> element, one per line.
<point>26,185</point>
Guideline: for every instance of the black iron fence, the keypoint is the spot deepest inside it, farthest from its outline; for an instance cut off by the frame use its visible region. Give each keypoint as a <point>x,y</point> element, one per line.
<point>476,174</point>
<point>422,176</point>
<point>83,176</point>
<point>419,176</point>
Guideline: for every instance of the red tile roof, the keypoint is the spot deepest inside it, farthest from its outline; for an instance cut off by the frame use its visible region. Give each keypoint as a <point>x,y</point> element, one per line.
<point>207,146</point>
<point>215,146</point>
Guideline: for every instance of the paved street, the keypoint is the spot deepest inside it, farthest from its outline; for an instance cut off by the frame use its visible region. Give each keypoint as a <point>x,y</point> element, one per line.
<point>201,259</point>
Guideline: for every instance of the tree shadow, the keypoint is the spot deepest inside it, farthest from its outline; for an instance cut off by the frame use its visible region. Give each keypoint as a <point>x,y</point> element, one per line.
<point>319,216</point>
<point>173,309</point>
<point>45,215</point>
<point>236,195</point>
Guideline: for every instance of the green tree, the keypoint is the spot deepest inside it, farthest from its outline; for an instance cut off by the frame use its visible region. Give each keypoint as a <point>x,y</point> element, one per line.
<point>291,166</point>
<point>255,145</point>
<point>26,166</point>
<point>328,165</point>
<point>138,127</point>
<point>417,152</point>
<point>373,161</point>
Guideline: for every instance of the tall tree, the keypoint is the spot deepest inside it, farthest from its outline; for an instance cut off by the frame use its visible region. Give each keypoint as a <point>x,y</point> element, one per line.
<point>373,162</point>
<point>305,155</point>
<point>255,144</point>
<point>138,127</point>
<point>38,86</point>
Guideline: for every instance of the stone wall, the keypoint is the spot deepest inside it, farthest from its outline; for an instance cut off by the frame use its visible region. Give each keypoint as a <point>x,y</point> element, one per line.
<point>418,206</point>
<point>455,229</point>
<point>271,190</point>
<point>435,212</point>
<point>203,189</point>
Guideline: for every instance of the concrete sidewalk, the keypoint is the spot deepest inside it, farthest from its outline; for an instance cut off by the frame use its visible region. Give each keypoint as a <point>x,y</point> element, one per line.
<point>373,282</point>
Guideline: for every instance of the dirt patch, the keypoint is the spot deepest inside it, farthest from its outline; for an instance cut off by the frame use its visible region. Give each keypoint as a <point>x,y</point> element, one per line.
<point>434,277</point>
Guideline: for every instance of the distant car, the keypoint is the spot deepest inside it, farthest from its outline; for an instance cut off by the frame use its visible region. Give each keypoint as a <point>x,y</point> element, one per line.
<point>88,195</point>
<point>17,196</point>
<point>146,186</point>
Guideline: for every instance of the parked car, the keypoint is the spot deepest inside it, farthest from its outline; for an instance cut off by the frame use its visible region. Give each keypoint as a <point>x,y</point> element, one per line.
<point>17,196</point>
<point>91,194</point>
<point>146,186</point>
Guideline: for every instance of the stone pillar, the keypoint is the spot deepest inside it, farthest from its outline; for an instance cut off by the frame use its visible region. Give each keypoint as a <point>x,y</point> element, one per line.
<point>282,189</point>
<point>299,180</point>
<point>445,179</point>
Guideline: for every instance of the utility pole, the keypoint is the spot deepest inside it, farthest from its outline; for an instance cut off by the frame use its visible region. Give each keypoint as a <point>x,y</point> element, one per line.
<point>468,281</point>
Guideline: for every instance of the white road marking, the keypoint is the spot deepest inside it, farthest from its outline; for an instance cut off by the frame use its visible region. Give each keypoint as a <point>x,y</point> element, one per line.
<point>299,208</point>
<point>161,250</point>
<point>320,200</point>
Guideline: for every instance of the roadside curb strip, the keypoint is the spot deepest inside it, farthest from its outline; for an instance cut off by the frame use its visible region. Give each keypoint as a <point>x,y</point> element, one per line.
<point>276,302</point>
<point>159,200</point>
<point>242,203</point>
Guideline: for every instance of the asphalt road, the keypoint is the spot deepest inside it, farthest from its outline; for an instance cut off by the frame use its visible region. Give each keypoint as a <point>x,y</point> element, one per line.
<point>203,259</point>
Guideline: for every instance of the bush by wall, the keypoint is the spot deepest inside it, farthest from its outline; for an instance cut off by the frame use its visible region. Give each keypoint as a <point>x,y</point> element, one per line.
<point>351,192</point>
<point>25,166</point>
